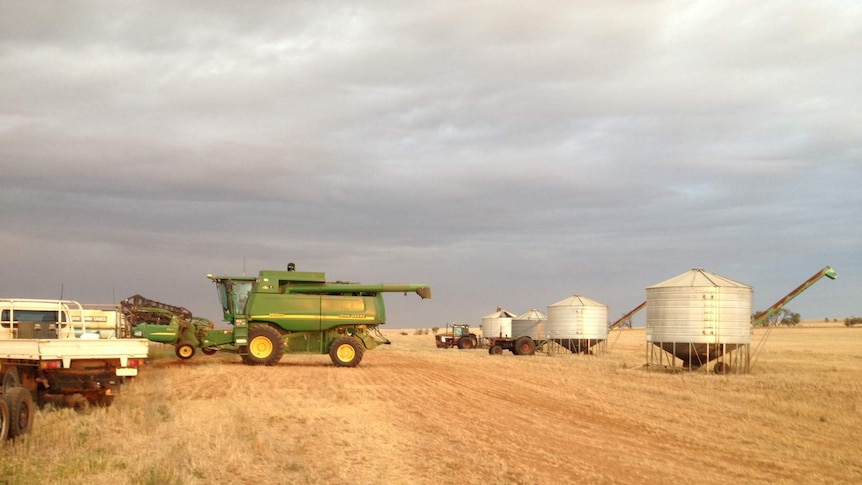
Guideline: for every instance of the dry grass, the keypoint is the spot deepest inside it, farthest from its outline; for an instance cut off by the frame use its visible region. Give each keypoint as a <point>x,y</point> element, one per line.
<point>414,414</point>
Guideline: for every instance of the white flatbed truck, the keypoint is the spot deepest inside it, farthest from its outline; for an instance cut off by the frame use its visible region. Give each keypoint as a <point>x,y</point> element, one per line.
<point>45,348</point>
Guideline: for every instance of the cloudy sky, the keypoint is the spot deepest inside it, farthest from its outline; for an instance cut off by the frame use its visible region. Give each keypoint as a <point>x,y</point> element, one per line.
<point>507,153</point>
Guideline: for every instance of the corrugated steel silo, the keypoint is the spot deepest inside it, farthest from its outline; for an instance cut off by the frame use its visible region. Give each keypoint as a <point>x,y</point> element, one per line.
<point>497,324</point>
<point>530,323</point>
<point>698,317</point>
<point>577,323</point>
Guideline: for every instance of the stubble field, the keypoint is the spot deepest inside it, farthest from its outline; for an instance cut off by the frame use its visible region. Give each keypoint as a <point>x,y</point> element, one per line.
<point>411,413</point>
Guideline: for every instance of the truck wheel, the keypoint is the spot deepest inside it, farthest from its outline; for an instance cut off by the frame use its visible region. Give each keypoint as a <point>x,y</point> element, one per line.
<point>4,420</point>
<point>20,403</point>
<point>525,346</point>
<point>495,350</point>
<point>185,351</point>
<point>10,380</point>
<point>465,343</point>
<point>265,345</point>
<point>346,352</point>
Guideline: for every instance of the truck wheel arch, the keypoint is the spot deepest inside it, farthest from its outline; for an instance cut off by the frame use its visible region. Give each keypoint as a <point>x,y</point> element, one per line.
<point>10,379</point>
<point>4,420</point>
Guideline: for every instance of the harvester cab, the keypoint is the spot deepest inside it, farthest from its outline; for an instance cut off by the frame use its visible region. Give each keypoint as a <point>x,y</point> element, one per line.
<point>233,294</point>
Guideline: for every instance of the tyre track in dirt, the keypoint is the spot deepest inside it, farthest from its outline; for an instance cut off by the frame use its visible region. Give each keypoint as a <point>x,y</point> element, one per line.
<point>416,413</point>
<point>535,430</point>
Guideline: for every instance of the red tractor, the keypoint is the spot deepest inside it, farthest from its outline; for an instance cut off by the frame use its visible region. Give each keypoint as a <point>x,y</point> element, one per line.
<point>460,336</point>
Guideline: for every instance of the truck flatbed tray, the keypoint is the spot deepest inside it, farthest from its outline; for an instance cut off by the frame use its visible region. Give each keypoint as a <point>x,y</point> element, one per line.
<point>70,349</point>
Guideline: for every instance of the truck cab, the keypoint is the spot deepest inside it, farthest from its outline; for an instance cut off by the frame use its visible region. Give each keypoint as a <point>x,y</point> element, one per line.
<point>38,319</point>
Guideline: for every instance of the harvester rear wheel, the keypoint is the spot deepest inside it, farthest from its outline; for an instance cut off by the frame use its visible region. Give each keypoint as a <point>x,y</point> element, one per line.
<point>495,350</point>
<point>346,352</point>
<point>4,420</point>
<point>265,345</point>
<point>525,346</point>
<point>20,403</point>
<point>185,351</point>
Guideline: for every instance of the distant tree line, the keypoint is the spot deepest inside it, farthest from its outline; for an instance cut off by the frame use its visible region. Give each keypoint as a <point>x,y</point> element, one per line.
<point>781,317</point>
<point>849,322</point>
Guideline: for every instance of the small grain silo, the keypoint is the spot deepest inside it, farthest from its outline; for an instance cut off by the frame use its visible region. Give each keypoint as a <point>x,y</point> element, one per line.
<point>578,324</point>
<point>497,324</point>
<point>531,324</point>
<point>698,317</point>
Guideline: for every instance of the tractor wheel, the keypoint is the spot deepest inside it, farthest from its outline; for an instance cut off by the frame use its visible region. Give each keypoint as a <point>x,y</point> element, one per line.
<point>10,380</point>
<point>465,343</point>
<point>265,345</point>
<point>721,368</point>
<point>346,352</point>
<point>209,350</point>
<point>20,403</point>
<point>4,420</point>
<point>524,346</point>
<point>495,350</point>
<point>185,351</point>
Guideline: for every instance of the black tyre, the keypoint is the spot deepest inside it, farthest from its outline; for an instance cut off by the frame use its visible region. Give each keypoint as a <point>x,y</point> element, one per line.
<point>185,351</point>
<point>265,345</point>
<point>465,343</point>
<point>105,400</point>
<point>495,350</point>
<point>20,403</point>
<point>10,380</point>
<point>209,350</point>
<point>524,346</point>
<point>346,352</point>
<point>721,368</point>
<point>4,420</point>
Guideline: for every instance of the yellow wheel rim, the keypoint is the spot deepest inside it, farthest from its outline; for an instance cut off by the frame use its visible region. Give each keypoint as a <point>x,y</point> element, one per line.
<point>260,347</point>
<point>185,351</point>
<point>345,352</point>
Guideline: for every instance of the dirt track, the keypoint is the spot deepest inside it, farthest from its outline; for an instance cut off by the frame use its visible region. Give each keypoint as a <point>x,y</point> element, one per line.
<point>411,413</point>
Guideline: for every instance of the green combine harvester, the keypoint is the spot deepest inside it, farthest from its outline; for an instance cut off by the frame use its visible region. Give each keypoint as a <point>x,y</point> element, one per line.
<point>275,313</point>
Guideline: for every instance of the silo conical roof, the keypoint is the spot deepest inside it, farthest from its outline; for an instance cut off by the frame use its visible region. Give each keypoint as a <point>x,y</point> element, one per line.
<point>699,277</point>
<point>577,300</point>
<point>532,314</point>
<point>500,313</point>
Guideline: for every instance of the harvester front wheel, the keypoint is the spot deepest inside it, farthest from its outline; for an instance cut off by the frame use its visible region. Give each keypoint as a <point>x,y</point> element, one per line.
<point>265,345</point>
<point>20,403</point>
<point>185,351</point>
<point>346,352</point>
